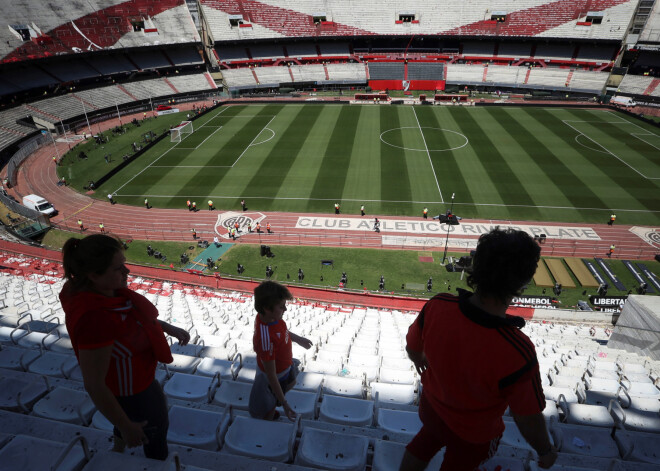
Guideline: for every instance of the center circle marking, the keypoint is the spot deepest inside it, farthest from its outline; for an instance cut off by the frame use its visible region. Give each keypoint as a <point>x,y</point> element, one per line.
<point>460,136</point>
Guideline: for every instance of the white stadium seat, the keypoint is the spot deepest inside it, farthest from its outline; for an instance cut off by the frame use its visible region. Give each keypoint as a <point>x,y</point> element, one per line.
<point>234,394</point>
<point>21,453</point>
<point>398,421</point>
<point>192,388</point>
<point>261,439</point>
<point>197,428</point>
<point>346,410</point>
<point>332,450</point>
<point>65,405</point>
<point>20,394</point>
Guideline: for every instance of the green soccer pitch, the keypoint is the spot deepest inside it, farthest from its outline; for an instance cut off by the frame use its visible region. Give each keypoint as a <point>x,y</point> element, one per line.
<point>520,163</point>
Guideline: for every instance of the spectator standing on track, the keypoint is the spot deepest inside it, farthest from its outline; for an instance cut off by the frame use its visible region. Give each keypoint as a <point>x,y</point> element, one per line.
<point>272,342</point>
<point>426,213</point>
<point>111,199</point>
<point>474,362</point>
<point>362,210</point>
<point>611,251</point>
<point>80,225</point>
<point>612,219</point>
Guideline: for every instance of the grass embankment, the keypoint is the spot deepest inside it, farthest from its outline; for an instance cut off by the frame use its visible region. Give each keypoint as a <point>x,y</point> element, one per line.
<point>363,267</point>
<point>400,267</point>
<point>137,249</point>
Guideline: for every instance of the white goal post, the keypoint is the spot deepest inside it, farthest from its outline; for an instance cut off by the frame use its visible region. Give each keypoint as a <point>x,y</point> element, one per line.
<point>180,132</point>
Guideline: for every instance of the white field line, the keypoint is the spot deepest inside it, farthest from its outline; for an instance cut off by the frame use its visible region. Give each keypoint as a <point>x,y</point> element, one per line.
<point>162,155</point>
<point>577,141</point>
<point>201,143</point>
<point>255,138</point>
<point>190,166</point>
<point>231,117</point>
<point>646,131</point>
<point>644,140</point>
<point>399,201</point>
<point>429,154</point>
<point>566,122</point>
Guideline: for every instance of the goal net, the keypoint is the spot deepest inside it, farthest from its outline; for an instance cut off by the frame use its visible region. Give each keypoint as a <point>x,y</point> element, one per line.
<point>180,132</point>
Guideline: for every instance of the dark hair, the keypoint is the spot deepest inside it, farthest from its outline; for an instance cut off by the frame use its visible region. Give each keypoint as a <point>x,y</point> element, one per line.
<point>268,294</point>
<point>504,262</point>
<point>93,254</point>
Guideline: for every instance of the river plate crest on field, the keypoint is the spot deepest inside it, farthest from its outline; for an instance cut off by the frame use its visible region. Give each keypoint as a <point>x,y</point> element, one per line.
<point>230,218</point>
<point>650,235</point>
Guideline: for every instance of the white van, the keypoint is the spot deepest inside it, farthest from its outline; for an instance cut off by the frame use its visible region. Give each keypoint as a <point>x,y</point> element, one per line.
<point>39,204</point>
<point>623,101</point>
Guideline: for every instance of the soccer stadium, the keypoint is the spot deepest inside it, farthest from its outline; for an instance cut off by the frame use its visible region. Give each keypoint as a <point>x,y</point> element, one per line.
<point>356,153</point>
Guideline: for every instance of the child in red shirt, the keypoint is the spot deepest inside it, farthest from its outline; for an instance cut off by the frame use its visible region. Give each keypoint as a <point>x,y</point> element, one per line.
<point>277,370</point>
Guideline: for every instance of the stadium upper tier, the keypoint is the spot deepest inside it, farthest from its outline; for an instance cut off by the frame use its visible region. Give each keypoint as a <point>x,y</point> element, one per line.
<point>457,74</point>
<point>36,29</point>
<point>640,85</point>
<point>582,19</point>
<point>63,107</point>
<point>651,31</point>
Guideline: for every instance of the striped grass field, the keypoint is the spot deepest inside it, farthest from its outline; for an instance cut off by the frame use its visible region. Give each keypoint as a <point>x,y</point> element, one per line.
<point>541,164</point>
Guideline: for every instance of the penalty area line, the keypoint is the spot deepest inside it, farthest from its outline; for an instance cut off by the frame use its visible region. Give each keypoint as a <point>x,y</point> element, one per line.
<point>163,154</point>
<point>567,123</point>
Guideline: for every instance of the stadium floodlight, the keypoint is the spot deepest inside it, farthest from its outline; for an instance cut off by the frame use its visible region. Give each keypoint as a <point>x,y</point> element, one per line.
<point>180,132</point>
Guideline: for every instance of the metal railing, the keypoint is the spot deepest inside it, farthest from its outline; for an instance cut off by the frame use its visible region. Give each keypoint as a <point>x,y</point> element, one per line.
<point>26,149</point>
<point>18,208</point>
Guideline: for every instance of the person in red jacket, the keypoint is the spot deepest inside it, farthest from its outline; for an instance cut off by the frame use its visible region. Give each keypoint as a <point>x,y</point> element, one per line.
<point>474,362</point>
<point>118,340</point>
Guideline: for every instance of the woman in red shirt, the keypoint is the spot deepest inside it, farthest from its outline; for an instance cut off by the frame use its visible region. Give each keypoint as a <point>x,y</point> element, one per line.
<point>118,341</point>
